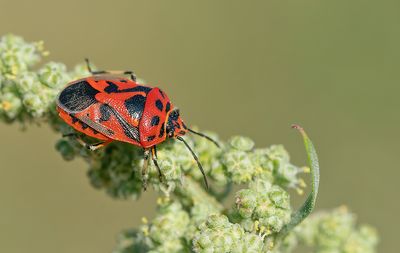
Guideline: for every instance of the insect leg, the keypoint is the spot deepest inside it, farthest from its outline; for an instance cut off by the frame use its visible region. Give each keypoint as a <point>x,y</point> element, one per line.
<point>70,135</point>
<point>154,158</point>
<point>91,147</point>
<point>112,72</point>
<point>96,146</point>
<point>146,156</point>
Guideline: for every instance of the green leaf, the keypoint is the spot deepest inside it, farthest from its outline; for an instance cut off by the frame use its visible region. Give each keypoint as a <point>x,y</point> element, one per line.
<point>309,204</point>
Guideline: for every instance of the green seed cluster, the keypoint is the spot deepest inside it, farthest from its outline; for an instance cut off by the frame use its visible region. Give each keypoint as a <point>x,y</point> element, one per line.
<point>27,95</point>
<point>244,164</point>
<point>218,234</point>
<point>189,218</point>
<point>263,207</point>
<point>168,228</point>
<point>169,231</point>
<point>336,231</point>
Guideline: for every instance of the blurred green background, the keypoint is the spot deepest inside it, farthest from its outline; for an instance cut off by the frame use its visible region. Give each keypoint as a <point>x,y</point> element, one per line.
<point>234,67</point>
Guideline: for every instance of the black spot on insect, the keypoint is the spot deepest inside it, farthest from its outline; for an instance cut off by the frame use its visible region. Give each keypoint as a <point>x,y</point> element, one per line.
<point>74,119</point>
<point>105,113</point>
<point>113,88</point>
<point>135,106</point>
<point>84,125</point>
<point>182,132</point>
<point>77,97</point>
<point>159,105</point>
<point>177,125</point>
<point>162,93</point>
<point>155,121</point>
<point>123,81</point>
<point>168,107</point>
<point>162,130</point>
<point>150,138</point>
<point>137,89</point>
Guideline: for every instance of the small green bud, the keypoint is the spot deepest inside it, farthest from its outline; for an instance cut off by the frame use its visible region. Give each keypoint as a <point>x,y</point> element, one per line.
<point>237,232</point>
<point>241,143</point>
<point>10,105</point>
<point>217,173</point>
<point>28,82</point>
<point>216,235</point>
<point>33,104</point>
<point>246,201</point>
<point>216,221</point>
<point>54,75</point>
<point>279,197</point>
<point>274,223</point>
<point>247,224</point>
<point>200,211</point>
<point>239,166</point>
<point>168,246</point>
<point>264,204</point>
<point>170,168</point>
<point>262,163</point>
<point>260,185</point>
<point>251,244</point>
<point>169,226</point>
<point>369,235</point>
<point>203,242</point>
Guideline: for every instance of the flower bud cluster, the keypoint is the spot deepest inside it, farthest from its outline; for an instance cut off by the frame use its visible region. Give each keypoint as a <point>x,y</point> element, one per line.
<point>26,94</point>
<point>166,233</point>
<point>336,231</point>
<point>244,163</point>
<point>218,234</point>
<point>262,208</point>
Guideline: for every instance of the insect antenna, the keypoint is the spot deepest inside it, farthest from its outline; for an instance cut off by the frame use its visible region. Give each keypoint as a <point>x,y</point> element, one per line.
<point>195,158</point>
<point>204,136</point>
<point>88,65</point>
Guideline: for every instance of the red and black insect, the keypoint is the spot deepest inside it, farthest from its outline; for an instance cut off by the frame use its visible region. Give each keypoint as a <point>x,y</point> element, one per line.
<point>111,108</point>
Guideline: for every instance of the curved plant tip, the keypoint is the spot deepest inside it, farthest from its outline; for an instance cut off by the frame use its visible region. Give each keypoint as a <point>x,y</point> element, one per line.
<point>309,204</point>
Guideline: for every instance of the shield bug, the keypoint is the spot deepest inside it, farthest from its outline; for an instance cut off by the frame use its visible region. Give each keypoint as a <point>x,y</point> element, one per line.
<point>111,108</point>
